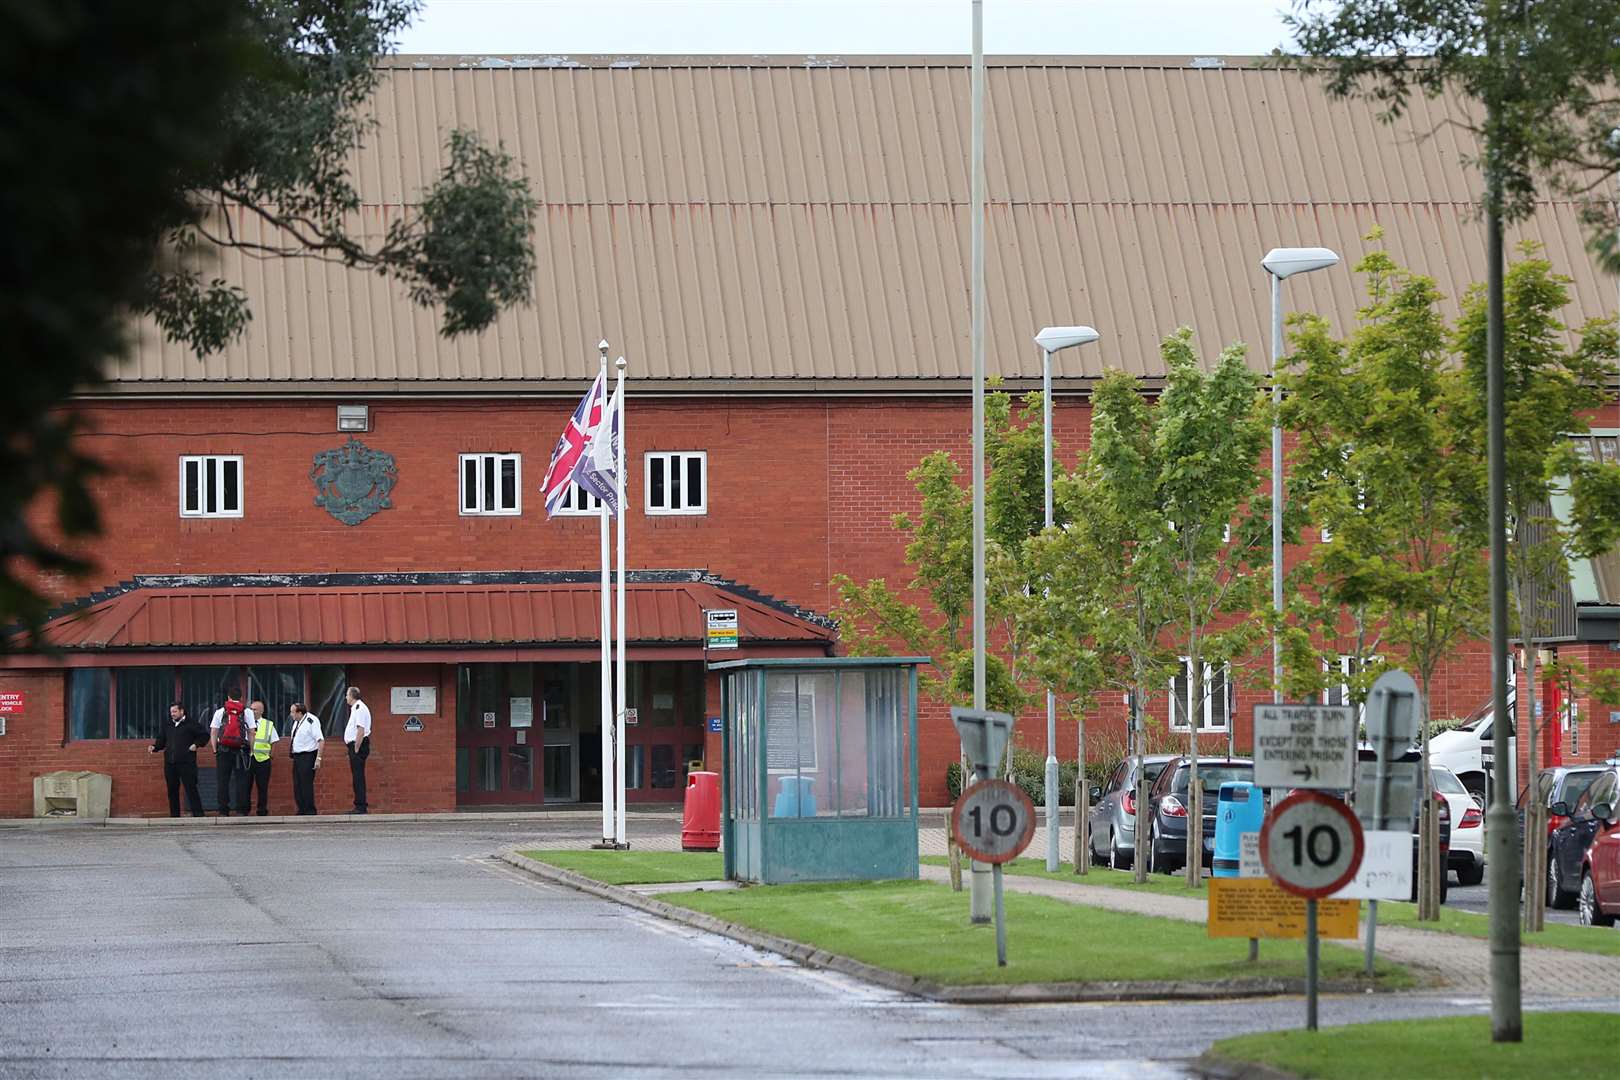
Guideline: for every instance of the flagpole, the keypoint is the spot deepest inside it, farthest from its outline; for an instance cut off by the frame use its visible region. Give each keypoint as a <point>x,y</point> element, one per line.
<point>618,484</point>
<point>609,789</point>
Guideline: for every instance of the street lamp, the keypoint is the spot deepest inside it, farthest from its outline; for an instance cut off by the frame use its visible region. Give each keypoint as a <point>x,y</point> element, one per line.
<point>1282,263</point>
<point>1052,339</point>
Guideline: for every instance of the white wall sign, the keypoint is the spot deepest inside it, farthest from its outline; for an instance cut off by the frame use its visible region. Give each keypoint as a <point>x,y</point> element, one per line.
<point>489,719</point>
<point>413,700</point>
<point>1386,868</point>
<point>521,710</point>
<point>2,725</point>
<point>1249,864</point>
<point>1304,746</point>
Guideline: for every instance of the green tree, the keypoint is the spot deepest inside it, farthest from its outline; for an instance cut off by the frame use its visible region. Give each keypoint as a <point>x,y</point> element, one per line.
<point>1549,391</point>
<point>1208,432</point>
<point>138,142</point>
<point>1383,418</point>
<point>1104,575</point>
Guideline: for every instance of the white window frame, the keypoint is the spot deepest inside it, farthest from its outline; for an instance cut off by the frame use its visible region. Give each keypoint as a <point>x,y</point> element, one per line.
<point>680,458</point>
<point>215,464</point>
<point>479,500</point>
<point>1205,727</point>
<point>577,502</point>
<point>1342,690</point>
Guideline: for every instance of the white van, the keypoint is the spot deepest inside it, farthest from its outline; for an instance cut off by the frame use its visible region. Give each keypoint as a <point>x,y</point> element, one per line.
<point>1464,749</point>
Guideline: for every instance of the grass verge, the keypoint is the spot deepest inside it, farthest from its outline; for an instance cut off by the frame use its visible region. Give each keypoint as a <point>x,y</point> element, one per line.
<point>922,929</point>
<point>637,867</point>
<point>1587,939</point>
<point>1158,884</point>
<point>1568,1044</point>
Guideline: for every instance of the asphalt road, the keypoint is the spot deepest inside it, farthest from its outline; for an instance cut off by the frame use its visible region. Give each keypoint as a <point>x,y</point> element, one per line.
<point>404,951</point>
<point>1473,898</point>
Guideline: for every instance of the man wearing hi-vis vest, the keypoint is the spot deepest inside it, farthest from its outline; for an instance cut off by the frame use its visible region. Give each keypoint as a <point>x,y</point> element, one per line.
<point>265,735</point>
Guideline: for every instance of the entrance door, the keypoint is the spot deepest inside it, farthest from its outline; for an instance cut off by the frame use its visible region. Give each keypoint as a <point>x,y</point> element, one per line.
<point>668,697</point>
<point>497,736</point>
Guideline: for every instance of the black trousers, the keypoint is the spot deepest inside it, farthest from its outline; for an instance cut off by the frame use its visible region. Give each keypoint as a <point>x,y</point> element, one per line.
<point>176,774</point>
<point>304,781</point>
<point>233,781</point>
<point>258,777</point>
<point>357,770</point>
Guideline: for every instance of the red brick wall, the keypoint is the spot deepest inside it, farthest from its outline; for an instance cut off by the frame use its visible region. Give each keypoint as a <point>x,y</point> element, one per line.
<point>798,491</point>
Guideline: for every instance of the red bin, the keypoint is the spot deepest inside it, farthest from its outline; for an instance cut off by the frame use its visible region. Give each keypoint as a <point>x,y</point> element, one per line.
<point>700,821</point>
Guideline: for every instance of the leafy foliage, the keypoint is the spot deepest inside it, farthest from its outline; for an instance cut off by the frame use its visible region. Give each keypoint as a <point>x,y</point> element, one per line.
<point>138,142</point>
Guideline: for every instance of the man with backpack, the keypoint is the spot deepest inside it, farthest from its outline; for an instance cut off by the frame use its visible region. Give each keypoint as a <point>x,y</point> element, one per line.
<point>230,735</point>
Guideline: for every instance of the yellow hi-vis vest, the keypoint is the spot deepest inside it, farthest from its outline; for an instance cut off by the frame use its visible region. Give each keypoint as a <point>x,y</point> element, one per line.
<point>261,741</point>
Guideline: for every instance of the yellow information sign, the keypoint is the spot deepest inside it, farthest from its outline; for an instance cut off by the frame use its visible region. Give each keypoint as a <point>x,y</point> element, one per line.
<point>1258,908</point>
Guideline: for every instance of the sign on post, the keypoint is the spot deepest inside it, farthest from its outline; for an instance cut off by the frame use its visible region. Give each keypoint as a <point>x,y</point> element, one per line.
<point>1386,868</point>
<point>984,736</point>
<point>1311,845</point>
<point>1257,908</point>
<point>1304,746</point>
<point>720,626</point>
<point>994,821</point>
<point>1400,801</point>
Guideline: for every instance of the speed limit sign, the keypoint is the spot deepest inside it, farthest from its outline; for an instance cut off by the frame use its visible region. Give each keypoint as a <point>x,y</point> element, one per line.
<point>993,821</point>
<point>1311,844</point>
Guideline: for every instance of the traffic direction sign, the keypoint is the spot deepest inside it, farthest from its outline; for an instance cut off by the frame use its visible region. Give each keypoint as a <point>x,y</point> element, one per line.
<point>1304,746</point>
<point>993,821</point>
<point>1311,844</point>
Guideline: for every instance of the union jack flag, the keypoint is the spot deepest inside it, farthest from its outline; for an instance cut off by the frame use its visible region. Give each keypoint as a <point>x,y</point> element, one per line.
<point>571,447</point>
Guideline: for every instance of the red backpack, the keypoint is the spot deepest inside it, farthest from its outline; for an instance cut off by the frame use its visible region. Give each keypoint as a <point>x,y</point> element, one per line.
<point>233,732</point>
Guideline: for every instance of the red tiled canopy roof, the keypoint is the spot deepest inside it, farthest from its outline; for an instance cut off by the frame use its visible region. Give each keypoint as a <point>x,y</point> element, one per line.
<point>404,615</point>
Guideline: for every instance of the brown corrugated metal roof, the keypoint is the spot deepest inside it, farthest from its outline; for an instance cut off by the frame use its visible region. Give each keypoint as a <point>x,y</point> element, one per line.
<point>417,615</point>
<point>759,220</point>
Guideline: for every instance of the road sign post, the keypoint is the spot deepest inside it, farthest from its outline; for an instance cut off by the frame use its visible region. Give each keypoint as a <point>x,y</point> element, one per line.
<point>1311,845</point>
<point>1391,726</point>
<point>994,821</point>
<point>984,736</point>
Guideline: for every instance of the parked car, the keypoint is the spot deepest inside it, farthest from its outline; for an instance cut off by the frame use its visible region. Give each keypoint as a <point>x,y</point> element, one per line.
<point>1561,785</point>
<point>1600,867</point>
<point>1167,809</point>
<point>1113,815</point>
<point>1570,842</point>
<point>1466,854</point>
<point>1462,748</point>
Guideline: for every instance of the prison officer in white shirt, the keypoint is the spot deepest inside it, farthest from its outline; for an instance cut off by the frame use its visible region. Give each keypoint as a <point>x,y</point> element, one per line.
<point>357,737</point>
<point>307,743</point>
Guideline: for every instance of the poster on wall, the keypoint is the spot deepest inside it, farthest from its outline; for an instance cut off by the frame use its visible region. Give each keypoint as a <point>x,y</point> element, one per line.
<point>413,700</point>
<point>13,701</point>
<point>522,712</point>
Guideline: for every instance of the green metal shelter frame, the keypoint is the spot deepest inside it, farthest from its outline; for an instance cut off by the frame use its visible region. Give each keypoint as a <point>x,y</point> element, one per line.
<point>820,777</point>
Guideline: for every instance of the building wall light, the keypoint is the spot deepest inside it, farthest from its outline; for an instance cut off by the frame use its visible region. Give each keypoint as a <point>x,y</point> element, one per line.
<point>354,418</point>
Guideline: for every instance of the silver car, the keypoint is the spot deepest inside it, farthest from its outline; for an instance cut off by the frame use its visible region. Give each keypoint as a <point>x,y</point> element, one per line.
<point>1113,815</point>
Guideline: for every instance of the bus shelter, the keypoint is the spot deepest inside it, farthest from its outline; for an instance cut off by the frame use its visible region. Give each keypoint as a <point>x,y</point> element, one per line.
<point>820,782</point>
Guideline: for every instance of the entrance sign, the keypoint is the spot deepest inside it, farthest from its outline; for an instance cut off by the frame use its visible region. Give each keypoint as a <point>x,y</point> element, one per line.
<point>1304,746</point>
<point>994,821</point>
<point>1257,908</point>
<point>1311,845</point>
<point>13,701</point>
<point>413,700</point>
<point>1386,868</point>
<point>721,629</point>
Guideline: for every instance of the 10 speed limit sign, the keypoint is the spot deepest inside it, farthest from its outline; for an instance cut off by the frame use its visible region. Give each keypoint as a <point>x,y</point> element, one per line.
<point>993,821</point>
<point>1311,844</point>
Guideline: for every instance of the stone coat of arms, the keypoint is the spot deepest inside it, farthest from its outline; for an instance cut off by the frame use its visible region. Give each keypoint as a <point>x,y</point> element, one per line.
<point>353,481</point>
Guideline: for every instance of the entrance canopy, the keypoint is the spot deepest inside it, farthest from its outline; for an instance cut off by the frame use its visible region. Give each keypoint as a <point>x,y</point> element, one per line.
<point>248,612</point>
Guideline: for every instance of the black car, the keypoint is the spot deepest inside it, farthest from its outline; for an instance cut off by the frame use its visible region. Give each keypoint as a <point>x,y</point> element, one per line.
<point>1167,809</point>
<point>1566,854</point>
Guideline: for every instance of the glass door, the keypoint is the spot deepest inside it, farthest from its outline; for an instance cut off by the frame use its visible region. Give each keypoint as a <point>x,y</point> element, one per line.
<point>497,735</point>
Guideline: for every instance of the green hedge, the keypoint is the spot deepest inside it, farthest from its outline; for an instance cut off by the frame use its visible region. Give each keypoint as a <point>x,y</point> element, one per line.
<point>1029,773</point>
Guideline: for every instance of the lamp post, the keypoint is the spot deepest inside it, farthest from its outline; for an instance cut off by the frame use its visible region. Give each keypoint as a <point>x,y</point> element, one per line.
<point>1282,263</point>
<point>1052,339</point>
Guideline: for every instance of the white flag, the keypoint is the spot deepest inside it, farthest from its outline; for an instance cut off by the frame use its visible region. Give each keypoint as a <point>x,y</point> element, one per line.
<point>597,470</point>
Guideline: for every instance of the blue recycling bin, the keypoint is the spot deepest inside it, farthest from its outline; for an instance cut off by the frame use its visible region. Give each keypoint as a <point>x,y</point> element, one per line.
<point>797,797</point>
<point>1240,809</point>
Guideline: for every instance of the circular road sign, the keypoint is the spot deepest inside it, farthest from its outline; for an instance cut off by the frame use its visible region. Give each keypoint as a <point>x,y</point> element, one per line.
<point>993,821</point>
<point>1311,844</point>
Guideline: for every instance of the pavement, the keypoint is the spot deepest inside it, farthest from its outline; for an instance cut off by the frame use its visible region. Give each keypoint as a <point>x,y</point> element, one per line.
<point>404,949</point>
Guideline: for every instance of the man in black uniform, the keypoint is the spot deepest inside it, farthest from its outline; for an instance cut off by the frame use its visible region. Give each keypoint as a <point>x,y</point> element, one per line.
<point>178,739</point>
